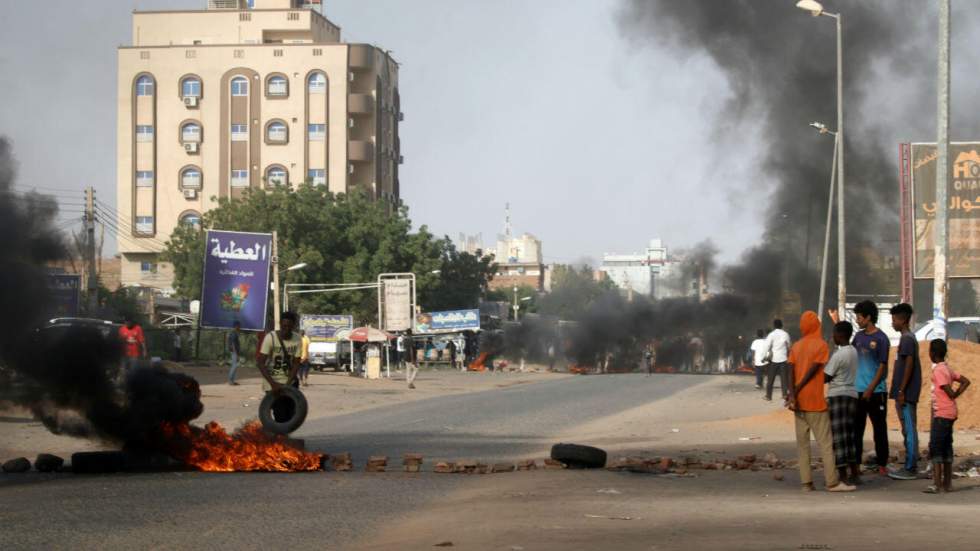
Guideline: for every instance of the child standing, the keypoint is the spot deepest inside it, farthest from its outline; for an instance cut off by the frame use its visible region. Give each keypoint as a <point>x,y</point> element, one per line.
<point>943,415</point>
<point>842,401</point>
<point>906,385</point>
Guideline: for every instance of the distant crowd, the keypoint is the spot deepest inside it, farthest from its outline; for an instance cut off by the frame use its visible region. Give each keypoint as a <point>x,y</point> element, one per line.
<point>834,396</point>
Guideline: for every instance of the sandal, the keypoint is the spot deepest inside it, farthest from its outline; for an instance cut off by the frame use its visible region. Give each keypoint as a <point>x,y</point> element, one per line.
<point>931,489</point>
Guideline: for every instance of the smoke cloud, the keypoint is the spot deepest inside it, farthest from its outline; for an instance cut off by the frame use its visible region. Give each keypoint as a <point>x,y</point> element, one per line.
<point>69,377</point>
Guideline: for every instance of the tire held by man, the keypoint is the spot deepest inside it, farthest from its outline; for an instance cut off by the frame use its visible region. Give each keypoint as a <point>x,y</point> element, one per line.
<point>283,412</point>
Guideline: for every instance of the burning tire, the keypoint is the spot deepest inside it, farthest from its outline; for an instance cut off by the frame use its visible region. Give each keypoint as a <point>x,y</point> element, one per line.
<point>284,412</point>
<point>579,457</point>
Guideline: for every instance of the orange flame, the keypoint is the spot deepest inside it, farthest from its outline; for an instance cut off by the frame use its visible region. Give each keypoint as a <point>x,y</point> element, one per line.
<point>250,448</point>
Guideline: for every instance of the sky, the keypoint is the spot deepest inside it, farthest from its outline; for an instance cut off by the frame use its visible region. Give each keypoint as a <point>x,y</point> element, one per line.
<point>597,143</point>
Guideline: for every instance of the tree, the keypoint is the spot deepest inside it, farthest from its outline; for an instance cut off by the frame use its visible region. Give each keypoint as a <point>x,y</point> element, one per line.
<point>573,291</point>
<point>344,238</point>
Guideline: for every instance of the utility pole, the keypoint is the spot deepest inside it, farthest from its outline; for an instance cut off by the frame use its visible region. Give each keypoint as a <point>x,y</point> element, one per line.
<point>93,277</point>
<point>940,282</point>
<point>826,237</point>
<point>841,235</point>
<point>275,281</point>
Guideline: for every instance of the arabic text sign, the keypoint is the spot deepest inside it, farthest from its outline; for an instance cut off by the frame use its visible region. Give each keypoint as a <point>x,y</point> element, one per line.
<point>321,328</point>
<point>447,322</point>
<point>65,289</point>
<point>963,209</point>
<point>236,279</point>
<point>397,304</point>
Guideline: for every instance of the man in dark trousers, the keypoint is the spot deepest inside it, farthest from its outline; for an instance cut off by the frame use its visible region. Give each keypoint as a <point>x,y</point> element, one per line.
<point>871,345</point>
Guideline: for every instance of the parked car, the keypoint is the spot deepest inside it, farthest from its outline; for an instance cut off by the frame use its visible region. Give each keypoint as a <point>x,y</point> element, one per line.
<point>961,329</point>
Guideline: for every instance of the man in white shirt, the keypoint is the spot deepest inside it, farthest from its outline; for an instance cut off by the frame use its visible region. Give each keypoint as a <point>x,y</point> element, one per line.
<point>760,357</point>
<point>400,346</point>
<point>778,347</point>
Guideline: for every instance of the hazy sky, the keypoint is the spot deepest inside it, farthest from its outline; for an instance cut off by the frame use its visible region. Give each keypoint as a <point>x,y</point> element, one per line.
<point>598,147</point>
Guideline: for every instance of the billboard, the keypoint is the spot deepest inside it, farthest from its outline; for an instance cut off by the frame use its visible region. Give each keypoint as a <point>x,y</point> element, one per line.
<point>236,279</point>
<point>323,328</point>
<point>397,313</point>
<point>447,322</point>
<point>963,209</point>
<point>65,290</point>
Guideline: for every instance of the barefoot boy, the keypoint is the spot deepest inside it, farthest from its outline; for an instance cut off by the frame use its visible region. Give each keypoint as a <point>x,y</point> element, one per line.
<point>943,416</point>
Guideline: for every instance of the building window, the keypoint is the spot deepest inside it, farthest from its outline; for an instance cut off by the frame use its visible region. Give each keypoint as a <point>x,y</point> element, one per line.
<point>144,86</point>
<point>317,83</point>
<point>276,132</point>
<point>239,86</point>
<point>190,87</point>
<point>144,178</point>
<point>144,224</point>
<point>191,219</point>
<point>239,178</point>
<point>144,133</point>
<point>276,176</point>
<point>190,178</point>
<point>277,86</point>
<point>317,132</point>
<point>148,267</point>
<point>239,132</point>
<point>190,132</point>
<point>317,176</point>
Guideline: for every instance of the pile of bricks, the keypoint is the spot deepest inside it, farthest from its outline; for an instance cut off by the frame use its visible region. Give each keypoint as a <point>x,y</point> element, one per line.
<point>527,465</point>
<point>341,462</point>
<point>554,464</point>
<point>412,462</point>
<point>376,464</point>
<point>664,465</point>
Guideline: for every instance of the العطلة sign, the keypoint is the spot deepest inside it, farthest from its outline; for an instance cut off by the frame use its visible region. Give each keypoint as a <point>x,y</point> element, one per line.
<point>236,279</point>
<point>397,304</point>
<point>963,255</point>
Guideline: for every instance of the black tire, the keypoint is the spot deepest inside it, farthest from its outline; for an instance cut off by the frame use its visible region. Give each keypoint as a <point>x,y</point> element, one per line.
<point>579,457</point>
<point>98,462</point>
<point>284,412</point>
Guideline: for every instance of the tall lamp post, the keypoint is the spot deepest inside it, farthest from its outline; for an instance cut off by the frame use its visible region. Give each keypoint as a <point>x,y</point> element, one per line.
<point>816,9</point>
<point>822,128</point>
<point>940,290</point>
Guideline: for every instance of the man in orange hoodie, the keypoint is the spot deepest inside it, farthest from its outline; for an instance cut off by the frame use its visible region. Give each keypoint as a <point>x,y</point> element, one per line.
<point>806,399</point>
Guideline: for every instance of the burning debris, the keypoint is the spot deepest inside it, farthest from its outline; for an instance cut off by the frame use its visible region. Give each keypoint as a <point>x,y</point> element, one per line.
<point>70,376</point>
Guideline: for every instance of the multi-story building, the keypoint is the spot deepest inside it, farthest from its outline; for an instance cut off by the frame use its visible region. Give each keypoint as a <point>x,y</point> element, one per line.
<point>244,94</point>
<point>519,262</point>
<point>641,273</point>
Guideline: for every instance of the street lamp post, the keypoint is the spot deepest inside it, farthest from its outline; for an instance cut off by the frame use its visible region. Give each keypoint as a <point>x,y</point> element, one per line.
<point>830,210</point>
<point>940,290</point>
<point>816,9</point>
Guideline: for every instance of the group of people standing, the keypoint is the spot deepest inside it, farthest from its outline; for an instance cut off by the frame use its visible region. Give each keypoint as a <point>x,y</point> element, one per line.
<point>857,391</point>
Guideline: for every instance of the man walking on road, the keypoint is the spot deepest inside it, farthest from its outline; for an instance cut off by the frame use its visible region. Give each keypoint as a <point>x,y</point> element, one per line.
<point>906,386</point>
<point>778,349</point>
<point>806,399</point>
<point>871,345</point>
<point>760,357</point>
<point>235,351</point>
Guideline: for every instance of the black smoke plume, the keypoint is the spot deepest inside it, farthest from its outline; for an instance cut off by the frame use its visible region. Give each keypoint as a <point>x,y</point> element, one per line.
<point>69,377</point>
<point>780,66</point>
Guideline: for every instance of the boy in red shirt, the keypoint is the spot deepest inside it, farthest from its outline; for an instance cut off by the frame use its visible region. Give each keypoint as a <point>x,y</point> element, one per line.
<point>134,343</point>
<point>943,416</point>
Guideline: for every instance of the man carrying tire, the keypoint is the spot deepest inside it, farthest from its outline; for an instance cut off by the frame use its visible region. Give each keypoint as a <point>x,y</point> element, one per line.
<point>279,356</point>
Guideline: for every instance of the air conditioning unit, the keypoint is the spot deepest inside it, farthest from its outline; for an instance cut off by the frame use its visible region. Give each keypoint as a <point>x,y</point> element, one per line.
<point>191,147</point>
<point>190,194</point>
<point>350,76</point>
<point>401,116</point>
<point>350,168</point>
<point>190,101</point>
<point>401,159</point>
<point>350,123</point>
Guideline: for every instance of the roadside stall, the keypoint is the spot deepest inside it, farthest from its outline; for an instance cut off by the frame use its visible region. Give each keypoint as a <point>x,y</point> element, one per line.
<point>445,337</point>
<point>374,344</point>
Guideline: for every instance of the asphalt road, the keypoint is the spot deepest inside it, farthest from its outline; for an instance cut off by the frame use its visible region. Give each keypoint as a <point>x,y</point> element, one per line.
<point>507,423</point>
<point>324,510</point>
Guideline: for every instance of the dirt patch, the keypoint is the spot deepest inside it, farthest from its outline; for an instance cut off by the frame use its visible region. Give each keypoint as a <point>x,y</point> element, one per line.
<point>964,358</point>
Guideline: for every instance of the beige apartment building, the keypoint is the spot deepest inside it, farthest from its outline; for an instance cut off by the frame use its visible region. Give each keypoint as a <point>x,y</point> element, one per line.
<point>242,95</point>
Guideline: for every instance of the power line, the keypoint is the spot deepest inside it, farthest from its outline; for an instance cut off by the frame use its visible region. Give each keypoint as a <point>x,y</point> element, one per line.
<point>112,220</point>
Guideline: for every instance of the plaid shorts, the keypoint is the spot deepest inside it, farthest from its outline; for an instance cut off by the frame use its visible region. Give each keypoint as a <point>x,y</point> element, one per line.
<point>941,440</point>
<point>843,410</point>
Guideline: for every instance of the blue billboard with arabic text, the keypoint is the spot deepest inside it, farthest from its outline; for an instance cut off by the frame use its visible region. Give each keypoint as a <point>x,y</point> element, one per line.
<point>447,322</point>
<point>236,279</point>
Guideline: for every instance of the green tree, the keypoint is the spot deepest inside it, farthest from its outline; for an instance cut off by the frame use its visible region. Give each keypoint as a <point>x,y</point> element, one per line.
<point>345,238</point>
<point>573,291</point>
